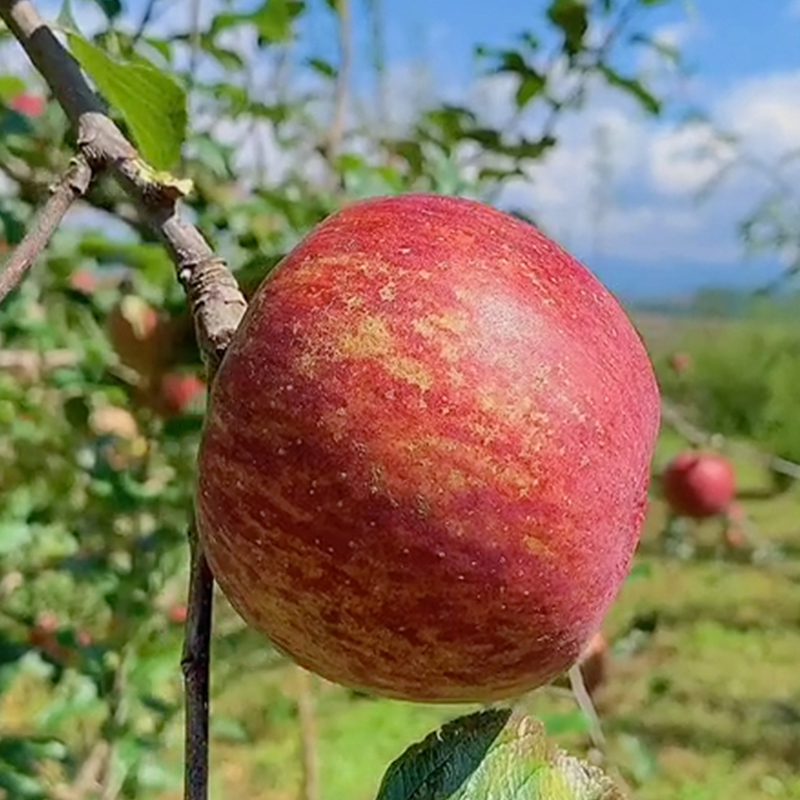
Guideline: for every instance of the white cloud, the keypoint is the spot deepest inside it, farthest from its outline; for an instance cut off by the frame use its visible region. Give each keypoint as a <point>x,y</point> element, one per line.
<point>655,171</point>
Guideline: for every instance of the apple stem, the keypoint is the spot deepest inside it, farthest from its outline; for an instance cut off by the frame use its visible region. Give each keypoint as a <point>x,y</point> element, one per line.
<point>195,665</point>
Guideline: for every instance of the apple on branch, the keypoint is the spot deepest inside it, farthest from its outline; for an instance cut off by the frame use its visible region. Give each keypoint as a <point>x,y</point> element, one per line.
<point>424,468</point>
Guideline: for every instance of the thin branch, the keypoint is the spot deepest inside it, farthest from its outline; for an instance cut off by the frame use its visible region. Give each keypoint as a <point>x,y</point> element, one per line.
<point>340,94</point>
<point>147,18</point>
<point>194,39</point>
<point>72,185</point>
<point>308,735</point>
<point>195,666</point>
<point>671,415</point>
<point>586,705</point>
<point>30,364</point>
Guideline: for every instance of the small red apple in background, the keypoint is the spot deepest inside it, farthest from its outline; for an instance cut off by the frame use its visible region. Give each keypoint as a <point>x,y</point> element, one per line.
<point>699,485</point>
<point>424,467</point>
<point>178,393</point>
<point>44,636</point>
<point>141,337</point>
<point>680,363</point>
<point>84,282</point>
<point>177,614</point>
<point>594,663</point>
<point>30,105</point>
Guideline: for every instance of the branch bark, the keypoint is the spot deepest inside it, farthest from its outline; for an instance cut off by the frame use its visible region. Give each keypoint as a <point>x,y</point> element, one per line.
<point>72,185</point>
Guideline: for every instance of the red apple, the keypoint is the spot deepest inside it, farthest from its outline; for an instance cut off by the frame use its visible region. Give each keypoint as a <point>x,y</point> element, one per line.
<point>84,282</point>
<point>142,337</point>
<point>30,105</point>
<point>424,468</point>
<point>177,614</point>
<point>680,363</point>
<point>698,485</point>
<point>177,393</point>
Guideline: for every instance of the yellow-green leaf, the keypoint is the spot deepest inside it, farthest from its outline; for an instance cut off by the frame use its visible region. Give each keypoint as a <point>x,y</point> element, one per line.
<point>152,103</point>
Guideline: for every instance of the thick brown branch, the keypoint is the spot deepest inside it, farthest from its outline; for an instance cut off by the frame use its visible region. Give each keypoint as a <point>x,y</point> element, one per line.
<point>72,186</point>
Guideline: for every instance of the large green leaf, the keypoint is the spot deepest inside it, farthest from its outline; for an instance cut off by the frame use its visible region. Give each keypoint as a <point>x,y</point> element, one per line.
<point>152,103</point>
<point>493,755</point>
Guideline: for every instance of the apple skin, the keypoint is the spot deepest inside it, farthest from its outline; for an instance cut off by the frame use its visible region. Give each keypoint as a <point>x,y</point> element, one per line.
<point>698,485</point>
<point>424,466</point>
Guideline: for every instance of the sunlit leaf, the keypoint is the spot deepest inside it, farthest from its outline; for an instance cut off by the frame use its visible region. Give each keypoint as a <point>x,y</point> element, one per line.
<point>151,102</point>
<point>493,755</point>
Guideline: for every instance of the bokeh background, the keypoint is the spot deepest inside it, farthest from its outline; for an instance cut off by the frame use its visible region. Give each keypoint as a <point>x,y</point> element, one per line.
<point>657,140</point>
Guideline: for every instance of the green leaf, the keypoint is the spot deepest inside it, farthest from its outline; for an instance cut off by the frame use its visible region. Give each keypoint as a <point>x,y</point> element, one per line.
<point>273,20</point>
<point>323,67</point>
<point>493,755</point>
<point>529,86</point>
<point>66,19</point>
<point>111,8</point>
<point>151,102</point>
<point>10,87</point>
<point>572,17</point>
<point>633,87</point>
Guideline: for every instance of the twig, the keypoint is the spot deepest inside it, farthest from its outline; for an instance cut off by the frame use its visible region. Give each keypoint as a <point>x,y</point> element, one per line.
<point>584,701</point>
<point>334,143</point>
<point>700,438</point>
<point>308,735</point>
<point>195,665</point>
<point>378,52</point>
<point>72,185</point>
<point>147,18</point>
<point>86,781</point>
<point>214,298</point>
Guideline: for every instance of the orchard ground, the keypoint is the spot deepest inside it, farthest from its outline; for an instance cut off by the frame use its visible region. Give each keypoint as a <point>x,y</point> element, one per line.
<point>702,700</point>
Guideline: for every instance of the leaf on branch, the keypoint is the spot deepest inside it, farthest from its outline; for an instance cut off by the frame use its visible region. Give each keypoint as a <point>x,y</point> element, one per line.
<point>152,103</point>
<point>493,755</point>
<point>633,87</point>
<point>572,17</point>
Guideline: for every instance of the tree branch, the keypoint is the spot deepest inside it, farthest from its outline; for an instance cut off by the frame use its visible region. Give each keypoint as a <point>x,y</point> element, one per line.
<point>72,185</point>
<point>195,665</point>
<point>216,302</point>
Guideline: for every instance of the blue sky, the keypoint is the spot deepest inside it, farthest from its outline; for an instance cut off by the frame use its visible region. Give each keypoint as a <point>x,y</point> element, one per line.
<point>744,61</point>
<point>655,236</point>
